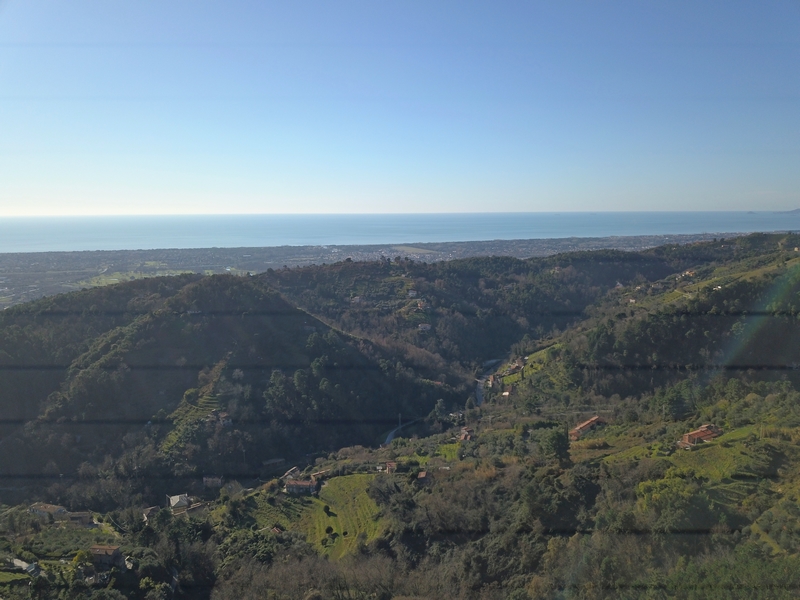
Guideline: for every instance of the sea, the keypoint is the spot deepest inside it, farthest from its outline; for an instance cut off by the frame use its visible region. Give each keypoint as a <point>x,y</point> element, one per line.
<point>48,234</point>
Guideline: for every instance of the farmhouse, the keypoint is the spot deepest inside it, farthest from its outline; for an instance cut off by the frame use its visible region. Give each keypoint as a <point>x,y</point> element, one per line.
<point>299,487</point>
<point>585,427</point>
<point>106,556</point>
<point>80,519</point>
<point>42,509</point>
<point>705,433</point>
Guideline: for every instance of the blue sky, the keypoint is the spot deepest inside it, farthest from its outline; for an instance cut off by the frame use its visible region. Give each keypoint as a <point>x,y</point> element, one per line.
<point>397,106</point>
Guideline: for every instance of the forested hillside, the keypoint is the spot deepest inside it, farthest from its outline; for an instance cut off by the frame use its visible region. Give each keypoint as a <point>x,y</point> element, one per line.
<point>686,484</point>
<point>181,377</point>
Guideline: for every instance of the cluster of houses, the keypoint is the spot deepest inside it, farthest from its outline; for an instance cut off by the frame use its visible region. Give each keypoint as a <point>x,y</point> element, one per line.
<point>705,433</point>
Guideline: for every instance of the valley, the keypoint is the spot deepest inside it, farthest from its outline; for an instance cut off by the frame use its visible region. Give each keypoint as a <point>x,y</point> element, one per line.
<point>225,436</point>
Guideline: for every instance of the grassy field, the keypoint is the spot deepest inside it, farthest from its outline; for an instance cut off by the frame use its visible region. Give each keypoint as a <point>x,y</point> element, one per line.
<point>7,577</point>
<point>448,451</point>
<point>353,516</point>
<point>285,513</point>
<point>716,461</point>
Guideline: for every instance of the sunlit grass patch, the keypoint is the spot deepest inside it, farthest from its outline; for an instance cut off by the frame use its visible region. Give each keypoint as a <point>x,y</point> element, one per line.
<point>448,451</point>
<point>353,517</point>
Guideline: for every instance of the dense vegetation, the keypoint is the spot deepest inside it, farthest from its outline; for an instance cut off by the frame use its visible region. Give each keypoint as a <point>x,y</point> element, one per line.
<point>119,395</point>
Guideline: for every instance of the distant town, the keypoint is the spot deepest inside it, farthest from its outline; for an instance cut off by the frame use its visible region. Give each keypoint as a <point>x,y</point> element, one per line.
<point>32,275</point>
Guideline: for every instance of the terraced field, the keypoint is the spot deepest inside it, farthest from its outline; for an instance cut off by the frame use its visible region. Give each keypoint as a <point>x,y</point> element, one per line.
<point>187,415</point>
<point>285,513</point>
<point>353,517</point>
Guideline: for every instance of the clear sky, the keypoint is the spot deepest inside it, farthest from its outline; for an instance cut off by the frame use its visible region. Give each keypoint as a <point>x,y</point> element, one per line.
<point>151,107</point>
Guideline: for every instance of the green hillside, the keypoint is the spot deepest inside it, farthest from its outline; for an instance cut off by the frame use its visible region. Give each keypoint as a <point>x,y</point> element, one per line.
<point>153,387</point>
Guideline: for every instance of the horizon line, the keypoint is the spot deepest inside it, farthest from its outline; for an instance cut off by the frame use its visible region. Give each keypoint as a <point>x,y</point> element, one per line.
<point>389,214</point>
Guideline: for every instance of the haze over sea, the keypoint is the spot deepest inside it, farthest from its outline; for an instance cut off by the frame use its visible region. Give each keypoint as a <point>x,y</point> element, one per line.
<point>46,234</point>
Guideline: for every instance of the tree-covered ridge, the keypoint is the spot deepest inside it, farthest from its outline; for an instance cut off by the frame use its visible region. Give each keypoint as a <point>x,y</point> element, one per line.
<point>477,308</point>
<point>216,375</point>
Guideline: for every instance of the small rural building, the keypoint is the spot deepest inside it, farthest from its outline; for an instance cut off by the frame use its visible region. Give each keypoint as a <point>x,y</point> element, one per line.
<point>80,519</point>
<point>424,478</point>
<point>291,474</point>
<point>467,434</point>
<point>42,509</point>
<point>106,556</point>
<point>150,512</point>
<point>391,467</point>
<point>705,433</point>
<point>179,501</point>
<point>298,487</point>
<point>582,428</point>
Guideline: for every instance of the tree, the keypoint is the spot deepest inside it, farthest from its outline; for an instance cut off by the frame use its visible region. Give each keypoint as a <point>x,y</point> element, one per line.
<point>555,443</point>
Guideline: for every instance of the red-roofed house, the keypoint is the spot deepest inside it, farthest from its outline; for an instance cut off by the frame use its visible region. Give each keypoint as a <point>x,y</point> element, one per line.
<point>705,433</point>
<point>585,427</point>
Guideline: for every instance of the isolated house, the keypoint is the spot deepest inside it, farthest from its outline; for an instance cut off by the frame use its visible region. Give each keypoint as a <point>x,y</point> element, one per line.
<point>582,428</point>
<point>424,478</point>
<point>179,501</point>
<point>42,509</point>
<point>705,433</point>
<point>80,519</point>
<point>299,487</point>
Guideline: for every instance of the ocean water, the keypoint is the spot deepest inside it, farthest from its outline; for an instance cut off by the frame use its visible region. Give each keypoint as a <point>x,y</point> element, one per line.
<point>45,234</point>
